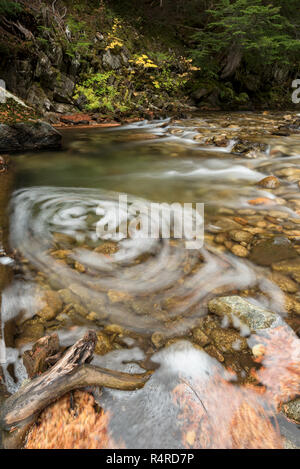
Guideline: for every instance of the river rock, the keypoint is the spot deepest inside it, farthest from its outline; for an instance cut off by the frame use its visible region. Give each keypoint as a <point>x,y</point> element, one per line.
<point>287,266</point>
<point>103,344</point>
<point>241,236</point>
<point>292,410</point>
<point>28,136</point>
<point>269,182</point>
<point>200,338</point>
<point>228,340</point>
<point>285,283</point>
<point>242,313</point>
<point>239,250</point>
<point>273,250</point>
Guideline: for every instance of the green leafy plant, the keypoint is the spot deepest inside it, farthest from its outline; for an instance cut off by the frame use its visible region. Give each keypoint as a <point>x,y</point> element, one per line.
<point>99,93</point>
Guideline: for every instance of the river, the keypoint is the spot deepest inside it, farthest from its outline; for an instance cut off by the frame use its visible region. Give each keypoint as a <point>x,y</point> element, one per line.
<point>147,297</point>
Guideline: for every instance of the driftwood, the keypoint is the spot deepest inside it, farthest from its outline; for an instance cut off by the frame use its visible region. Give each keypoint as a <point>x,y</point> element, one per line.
<point>72,371</point>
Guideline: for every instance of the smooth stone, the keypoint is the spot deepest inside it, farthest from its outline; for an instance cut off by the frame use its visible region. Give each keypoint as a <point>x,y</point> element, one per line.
<point>240,312</point>
<point>239,250</point>
<point>273,250</point>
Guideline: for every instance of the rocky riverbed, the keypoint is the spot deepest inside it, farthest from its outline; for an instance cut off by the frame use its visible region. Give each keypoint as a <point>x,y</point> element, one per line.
<point>236,300</point>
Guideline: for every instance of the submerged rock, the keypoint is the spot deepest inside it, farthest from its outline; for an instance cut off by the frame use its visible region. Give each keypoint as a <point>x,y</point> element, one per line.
<point>273,250</point>
<point>25,136</point>
<point>292,410</point>
<point>269,182</point>
<point>242,313</point>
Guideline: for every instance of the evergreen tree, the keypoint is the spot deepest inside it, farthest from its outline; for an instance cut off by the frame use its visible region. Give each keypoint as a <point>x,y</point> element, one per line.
<point>248,30</point>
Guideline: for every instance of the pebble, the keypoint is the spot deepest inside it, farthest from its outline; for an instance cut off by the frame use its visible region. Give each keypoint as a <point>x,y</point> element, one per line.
<point>239,250</point>
<point>241,236</point>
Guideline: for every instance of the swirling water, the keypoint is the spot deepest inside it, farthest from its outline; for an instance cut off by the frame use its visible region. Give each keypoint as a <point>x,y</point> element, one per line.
<point>148,288</point>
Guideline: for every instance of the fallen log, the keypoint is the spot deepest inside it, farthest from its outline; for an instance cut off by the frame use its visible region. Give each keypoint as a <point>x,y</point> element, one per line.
<point>72,371</point>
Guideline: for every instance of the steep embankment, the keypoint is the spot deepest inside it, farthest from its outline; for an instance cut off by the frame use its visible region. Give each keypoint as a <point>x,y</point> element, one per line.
<point>64,58</point>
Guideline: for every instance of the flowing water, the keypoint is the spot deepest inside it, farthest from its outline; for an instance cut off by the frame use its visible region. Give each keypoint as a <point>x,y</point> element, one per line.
<point>147,298</point>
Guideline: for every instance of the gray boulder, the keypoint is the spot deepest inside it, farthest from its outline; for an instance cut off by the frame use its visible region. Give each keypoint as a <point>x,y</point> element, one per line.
<point>25,136</point>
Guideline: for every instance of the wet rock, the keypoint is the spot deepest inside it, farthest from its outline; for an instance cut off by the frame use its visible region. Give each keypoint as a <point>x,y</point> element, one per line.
<point>25,136</point>
<point>158,340</point>
<point>244,146</point>
<point>242,313</point>
<point>241,236</point>
<point>214,352</point>
<point>115,329</point>
<point>53,305</point>
<point>292,306</point>
<point>61,253</point>
<point>67,296</point>
<point>285,283</point>
<point>287,266</point>
<point>221,141</point>
<point>118,296</point>
<point>223,224</point>
<point>103,344</point>
<point>269,182</point>
<point>229,341</point>
<point>278,214</point>
<point>107,248</point>
<point>200,338</point>
<point>273,250</point>
<point>79,267</point>
<point>292,410</point>
<point>239,250</point>
<point>32,331</point>
<point>261,201</point>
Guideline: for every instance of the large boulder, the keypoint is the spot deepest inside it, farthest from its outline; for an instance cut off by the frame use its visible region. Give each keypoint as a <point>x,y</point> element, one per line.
<point>25,136</point>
